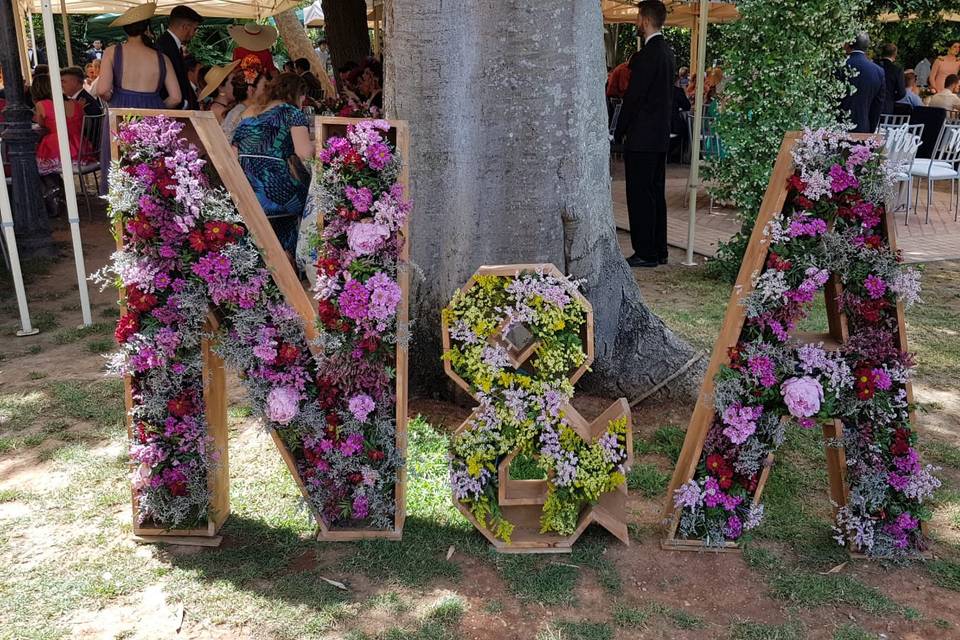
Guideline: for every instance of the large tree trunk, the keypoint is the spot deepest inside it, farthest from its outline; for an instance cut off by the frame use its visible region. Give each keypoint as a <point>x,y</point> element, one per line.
<point>299,46</point>
<point>510,164</point>
<point>346,29</point>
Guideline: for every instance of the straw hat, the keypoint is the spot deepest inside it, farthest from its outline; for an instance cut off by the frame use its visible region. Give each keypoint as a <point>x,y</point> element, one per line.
<point>253,36</point>
<point>215,77</point>
<point>135,14</point>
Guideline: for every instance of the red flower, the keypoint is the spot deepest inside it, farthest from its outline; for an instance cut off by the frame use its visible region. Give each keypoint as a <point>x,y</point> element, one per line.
<point>715,463</point>
<point>180,406</point>
<point>370,343</point>
<point>215,232</point>
<point>725,478</point>
<point>140,301</point>
<point>874,242</point>
<point>355,478</point>
<point>327,266</point>
<point>140,229</point>
<point>141,431</point>
<point>803,202</point>
<point>287,354</point>
<point>329,315</point>
<point>178,488</point>
<point>128,325</point>
<point>196,240</point>
<point>776,262</point>
<point>348,214</point>
<point>238,230</point>
<point>866,383</point>
<point>796,183</point>
<point>354,159</point>
<point>376,455</point>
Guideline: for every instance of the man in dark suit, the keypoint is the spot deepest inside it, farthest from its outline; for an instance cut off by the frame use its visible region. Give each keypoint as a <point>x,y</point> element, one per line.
<point>866,78</point>
<point>895,85</point>
<point>645,120</point>
<point>71,80</point>
<point>183,26</point>
<point>314,89</point>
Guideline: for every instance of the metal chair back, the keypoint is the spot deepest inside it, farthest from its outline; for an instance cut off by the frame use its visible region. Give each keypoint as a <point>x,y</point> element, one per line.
<point>895,120</point>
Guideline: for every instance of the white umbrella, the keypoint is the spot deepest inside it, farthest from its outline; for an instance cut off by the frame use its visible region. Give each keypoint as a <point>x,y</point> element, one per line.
<point>313,15</point>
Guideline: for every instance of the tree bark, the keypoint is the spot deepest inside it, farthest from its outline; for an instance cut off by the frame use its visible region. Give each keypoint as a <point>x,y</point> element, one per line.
<point>299,46</point>
<point>510,165</point>
<point>346,29</point>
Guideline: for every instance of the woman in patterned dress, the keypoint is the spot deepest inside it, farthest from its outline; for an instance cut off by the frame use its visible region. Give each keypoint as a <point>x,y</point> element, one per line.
<point>271,142</point>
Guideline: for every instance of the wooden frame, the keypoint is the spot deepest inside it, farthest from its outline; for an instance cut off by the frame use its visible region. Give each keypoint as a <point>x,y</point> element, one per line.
<point>521,501</point>
<point>399,135</point>
<point>703,415</point>
<point>202,129</point>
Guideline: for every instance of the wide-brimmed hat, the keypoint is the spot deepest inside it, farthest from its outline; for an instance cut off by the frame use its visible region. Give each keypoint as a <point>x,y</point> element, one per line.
<point>215,77</point>
<point>253,36</point>
<point>135,14</point>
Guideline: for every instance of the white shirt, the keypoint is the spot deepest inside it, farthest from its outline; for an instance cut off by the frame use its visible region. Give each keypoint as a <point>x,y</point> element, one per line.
<point>652,35</point>
<point>946,99</point>
<point>923,72</point>
<point>74,96</point>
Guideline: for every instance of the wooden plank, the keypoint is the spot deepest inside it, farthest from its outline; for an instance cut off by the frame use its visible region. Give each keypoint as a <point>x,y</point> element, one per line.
<point>753,262</point>
<point>215,401</point>
<point>191,541</point>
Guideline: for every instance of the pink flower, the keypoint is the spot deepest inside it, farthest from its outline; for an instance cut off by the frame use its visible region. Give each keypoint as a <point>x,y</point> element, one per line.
<point>361,406</point>
<point>385,295</point>
<point>353,300</point>
<point>841,180</point>
<point>378,155</point>
<point>802,396</point>
<point>361,198</point>
<point>365,238</point>
<point>875,286</point>
<point>283,404</point>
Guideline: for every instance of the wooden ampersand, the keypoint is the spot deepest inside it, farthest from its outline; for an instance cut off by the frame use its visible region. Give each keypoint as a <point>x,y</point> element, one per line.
<point>517,338</point>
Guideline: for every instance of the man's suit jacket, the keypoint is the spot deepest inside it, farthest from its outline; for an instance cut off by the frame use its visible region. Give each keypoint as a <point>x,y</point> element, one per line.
<point>91,105</point>
<point>314,88</point>
<point>648,104</point>
<point>866,103</point>
<point>168,46</point>
<point>895,86</point>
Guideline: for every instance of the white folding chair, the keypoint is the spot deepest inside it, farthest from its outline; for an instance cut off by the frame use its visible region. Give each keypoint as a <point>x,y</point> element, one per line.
<point>892,120</point>
<point>900,147</point>
<point>942,165</point>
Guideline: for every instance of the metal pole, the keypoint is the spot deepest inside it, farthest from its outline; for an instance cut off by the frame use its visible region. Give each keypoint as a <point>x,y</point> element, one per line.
<point>697,128</point>
<point>65,19</point>
<point>66,162</point>
<point>6,221</point>
<point>32,224</point>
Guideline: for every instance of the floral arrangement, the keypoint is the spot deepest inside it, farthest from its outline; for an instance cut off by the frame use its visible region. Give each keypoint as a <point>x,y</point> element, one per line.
<point>185,254</point>
<point>524,408</point>
<point>251,67</point>
<point>832,225</point>
<point>346,107</point>
<point>361,212</point>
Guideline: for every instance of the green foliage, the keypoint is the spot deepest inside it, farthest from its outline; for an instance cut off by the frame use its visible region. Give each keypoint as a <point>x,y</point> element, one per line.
<point>583,630</point>
<point>945,573</point>
<point>779,79</point>
<point>536,579</point>
<point>648,480</point>
<point>852,632</point>
<point>792,630</point>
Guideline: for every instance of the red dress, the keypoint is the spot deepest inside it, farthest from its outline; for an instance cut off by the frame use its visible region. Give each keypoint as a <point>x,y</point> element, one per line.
<point>48,149</point>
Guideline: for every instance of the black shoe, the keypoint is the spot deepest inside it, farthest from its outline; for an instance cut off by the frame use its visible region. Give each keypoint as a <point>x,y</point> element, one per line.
<point>636,261</point>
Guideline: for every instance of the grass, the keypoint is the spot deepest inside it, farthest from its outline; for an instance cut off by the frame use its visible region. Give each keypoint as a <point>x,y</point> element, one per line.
<point>535,579</point>
<point>946,573</point>
<point>69,336</point>
<point>757,631</point>
<point>582,630</point>
<point>942,453</point>
<point>666,441</point>
<point>852,631</point>
<point>647,479</point>
<point>590,551</point>
<point>638,618</point>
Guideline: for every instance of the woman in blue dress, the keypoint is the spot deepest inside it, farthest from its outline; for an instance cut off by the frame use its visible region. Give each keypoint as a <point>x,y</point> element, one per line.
<point>271,142</point>
<point>133,74</point>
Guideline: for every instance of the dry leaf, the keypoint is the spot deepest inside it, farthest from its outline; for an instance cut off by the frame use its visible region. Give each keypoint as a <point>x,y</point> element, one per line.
<point>836,569</point>
<point>338,585</point>
<point>181,614</point>
<point>450,552</point>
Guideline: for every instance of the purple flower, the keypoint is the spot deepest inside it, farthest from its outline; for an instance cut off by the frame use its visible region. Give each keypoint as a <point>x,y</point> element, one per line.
<point>882,379</point>
<point>741,422</point>
<point>378,155</point>
<point>361,198</point>
<point>353,300</point>
<point>875,286</point>
<point>353,444</point>
<point>841,179</point>
<point>763,370</point>
<point>361,406</point>
<point>733,528</point>
<point>360,507</point>
<point>283,404</point>
<point>802,396</point>
<point>712,494</point>
<point>385,295</point>
<point>688,495</point>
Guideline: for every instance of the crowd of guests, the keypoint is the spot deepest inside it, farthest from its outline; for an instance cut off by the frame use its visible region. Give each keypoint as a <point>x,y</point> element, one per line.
<point>881,86</point>
<point>264,112</point>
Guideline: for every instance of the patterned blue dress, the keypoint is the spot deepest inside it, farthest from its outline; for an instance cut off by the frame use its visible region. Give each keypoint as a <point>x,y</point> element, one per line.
<point>265,145</point>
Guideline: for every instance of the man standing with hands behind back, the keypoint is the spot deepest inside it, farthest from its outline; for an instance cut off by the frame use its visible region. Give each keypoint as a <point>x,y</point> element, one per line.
<point>645,120</point>
<point>183,26</point>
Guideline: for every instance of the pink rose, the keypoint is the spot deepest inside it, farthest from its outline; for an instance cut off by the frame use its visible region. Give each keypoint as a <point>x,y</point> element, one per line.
<point>802,396</point>
<point>365,238</point>
<point>283,404</point>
